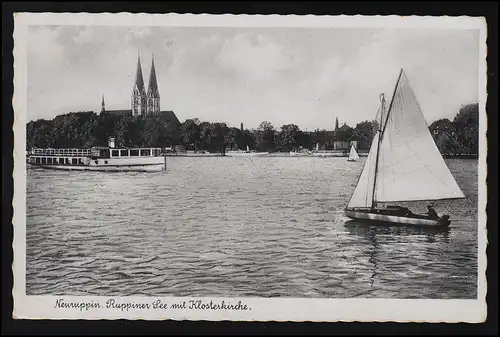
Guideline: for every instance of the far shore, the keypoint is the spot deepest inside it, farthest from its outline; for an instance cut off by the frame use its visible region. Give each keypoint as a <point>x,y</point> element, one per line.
<point>326,154</point>
<point>263,154</point>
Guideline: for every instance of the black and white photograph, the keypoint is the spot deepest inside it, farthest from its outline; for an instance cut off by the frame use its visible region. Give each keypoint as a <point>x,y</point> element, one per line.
<point>227,167</point>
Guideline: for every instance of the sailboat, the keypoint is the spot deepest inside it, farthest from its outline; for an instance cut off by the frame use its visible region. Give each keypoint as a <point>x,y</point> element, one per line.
<point>404,164</point>
<point>353,155</point>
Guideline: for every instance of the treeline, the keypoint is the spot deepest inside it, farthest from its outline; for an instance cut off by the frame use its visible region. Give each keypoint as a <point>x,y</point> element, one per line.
<point>218,137</point>
<point>87,129</point>
<point>460,136</point>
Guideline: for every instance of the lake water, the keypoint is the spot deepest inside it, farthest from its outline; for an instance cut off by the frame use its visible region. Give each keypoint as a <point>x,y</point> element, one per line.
<point>239,227</point>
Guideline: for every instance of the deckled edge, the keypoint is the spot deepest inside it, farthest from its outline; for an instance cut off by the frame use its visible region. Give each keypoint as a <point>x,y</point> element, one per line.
<point>20,19</point>
<point>483,172</point>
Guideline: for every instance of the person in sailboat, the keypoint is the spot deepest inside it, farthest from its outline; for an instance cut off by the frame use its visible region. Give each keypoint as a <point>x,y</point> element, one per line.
<point>431,213</point>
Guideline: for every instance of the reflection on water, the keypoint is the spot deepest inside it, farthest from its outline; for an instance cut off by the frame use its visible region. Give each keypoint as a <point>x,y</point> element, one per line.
<point>266,227</point>
<point>375,235</point>
<point>430,233</point>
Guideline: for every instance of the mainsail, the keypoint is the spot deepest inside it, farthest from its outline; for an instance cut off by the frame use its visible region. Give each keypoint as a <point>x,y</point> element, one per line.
<point>353,155</point>
<point>410,166</point>
<point>363,194</point>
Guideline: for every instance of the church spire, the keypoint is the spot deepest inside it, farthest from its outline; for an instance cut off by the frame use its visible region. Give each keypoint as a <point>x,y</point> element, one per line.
<point>139,99</point>
<point>153,84</point>
<point>139,81</point>
<point>336,123</point>
<point>153,92</point>
<point>102,104</point>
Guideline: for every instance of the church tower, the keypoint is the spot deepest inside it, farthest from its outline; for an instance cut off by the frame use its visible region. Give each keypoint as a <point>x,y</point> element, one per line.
<point>102,105</point>
<point>153,105</point>
<point>139,101</point>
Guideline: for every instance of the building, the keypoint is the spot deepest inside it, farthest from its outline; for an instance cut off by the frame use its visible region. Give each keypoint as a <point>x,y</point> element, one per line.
<point>142,102</point>
<point>442,127</point>
<point>442,132</point>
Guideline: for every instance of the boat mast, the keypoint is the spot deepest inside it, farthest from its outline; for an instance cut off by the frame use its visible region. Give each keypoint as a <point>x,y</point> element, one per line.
<point>381,130</point>
<point>382,108</point>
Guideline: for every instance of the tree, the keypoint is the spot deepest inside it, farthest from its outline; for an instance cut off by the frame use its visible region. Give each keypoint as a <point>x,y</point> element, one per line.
<point>219,132</point>
<point>467,128</point>
<point>190,132</point>
<point>344,133</point>
<point>305,140</point>
<point>319,137</point>
<point>265,137</point>
<point>364,133</point>
<point>249,139</point>
<point>467,115</point>
<point>235,139</point>
<point>289,136</point>
<point>205,136</point>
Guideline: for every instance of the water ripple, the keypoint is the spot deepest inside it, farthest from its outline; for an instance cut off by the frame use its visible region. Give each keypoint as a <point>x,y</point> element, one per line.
<point>267,227</point>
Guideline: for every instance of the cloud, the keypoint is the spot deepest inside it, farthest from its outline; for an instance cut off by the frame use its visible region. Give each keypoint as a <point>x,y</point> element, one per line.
<point>139,37</point>
<point>437,63</point>
<point>198,57</point>
<point>255,57</point>
<point>84,36</point>
<point>140,32</point>
<point>43,49</point>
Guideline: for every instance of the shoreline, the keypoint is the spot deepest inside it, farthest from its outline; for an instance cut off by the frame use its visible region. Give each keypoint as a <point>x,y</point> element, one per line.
<point>287,155</point>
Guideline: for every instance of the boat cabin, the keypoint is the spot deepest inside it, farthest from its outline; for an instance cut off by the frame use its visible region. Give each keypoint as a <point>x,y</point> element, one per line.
<point>82,157</point>
<point>106,152</point>
<point>73,157</point>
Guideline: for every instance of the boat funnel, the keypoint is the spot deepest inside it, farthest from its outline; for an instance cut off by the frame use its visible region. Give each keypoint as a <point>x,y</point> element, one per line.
<point>111,142</point>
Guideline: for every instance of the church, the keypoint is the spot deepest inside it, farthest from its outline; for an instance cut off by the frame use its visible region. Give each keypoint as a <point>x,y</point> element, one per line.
<point>142,102</point>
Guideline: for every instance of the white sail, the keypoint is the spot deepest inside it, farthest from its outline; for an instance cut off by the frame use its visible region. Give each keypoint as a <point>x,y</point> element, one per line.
<point>353,155</point>
<point>317,147</point>
<point>248,149</point>
<point>410,166</point>
<point>363,194</point>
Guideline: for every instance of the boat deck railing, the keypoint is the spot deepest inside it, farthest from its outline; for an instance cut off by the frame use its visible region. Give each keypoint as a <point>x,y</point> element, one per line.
<point>61,152</point>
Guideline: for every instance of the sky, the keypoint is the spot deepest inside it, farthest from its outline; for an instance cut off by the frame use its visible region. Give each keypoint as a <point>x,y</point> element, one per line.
<point>302,76</point>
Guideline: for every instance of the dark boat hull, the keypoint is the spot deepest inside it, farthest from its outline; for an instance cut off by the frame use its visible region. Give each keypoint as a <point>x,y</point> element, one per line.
<point>386,218</point>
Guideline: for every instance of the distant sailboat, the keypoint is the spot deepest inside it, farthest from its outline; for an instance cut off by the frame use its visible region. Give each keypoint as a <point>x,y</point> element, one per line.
<point>404,164</point>
<point>353,155</point>
<point>317,147</point>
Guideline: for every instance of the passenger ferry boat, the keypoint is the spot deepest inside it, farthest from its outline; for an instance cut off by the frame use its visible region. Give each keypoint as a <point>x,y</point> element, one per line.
<point>99,159</point>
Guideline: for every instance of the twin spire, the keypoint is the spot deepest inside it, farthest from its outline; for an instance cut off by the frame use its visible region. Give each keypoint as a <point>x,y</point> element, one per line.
<point>153,85</point>
<point>145,102</point>
<point>139,81</point>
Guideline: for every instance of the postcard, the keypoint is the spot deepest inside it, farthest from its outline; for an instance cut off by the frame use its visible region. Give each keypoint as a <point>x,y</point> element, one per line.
<point>249,167</point>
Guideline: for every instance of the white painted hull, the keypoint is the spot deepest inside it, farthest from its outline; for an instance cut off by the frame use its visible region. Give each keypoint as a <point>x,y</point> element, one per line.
<point>104,168</point>
<point>135,164</point>
<point>386,219</point>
